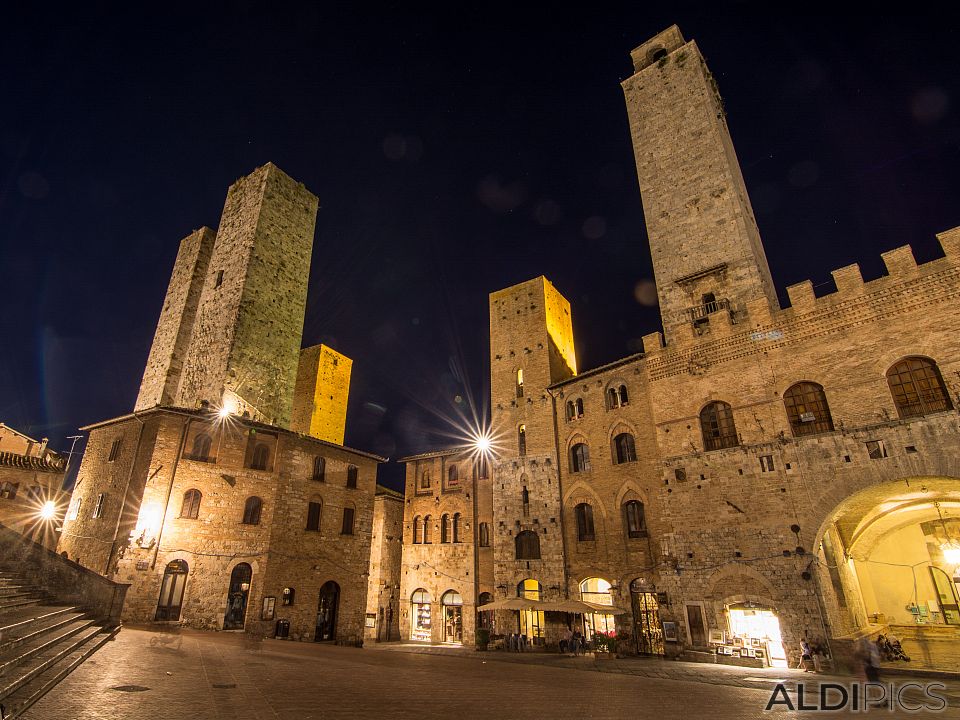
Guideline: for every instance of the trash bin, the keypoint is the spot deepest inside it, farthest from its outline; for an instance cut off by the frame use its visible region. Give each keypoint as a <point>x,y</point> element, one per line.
<point>283,630</point>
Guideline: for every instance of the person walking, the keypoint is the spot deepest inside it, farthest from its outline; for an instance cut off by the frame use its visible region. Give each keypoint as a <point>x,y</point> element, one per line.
<point>869,656</point>
<point>806,655</point>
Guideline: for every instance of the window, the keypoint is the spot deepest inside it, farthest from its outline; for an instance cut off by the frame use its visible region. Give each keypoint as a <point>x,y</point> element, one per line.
<point>219,278</point>
<point>425,481</point>
<point>190,508</point>
<point>624,449</point>
<point>622,392</point>
<point>347,528</point>
<point>251,510</point>
<point>445,528</point>
<point>353,473</point>
<point>35,492</point>
<point>416,530</point>
<point>8,491</point>
<point>584,513</point>
<point>484,534</point>
<point>807,409</point>
<point>579,458</point>
<point>98,508</point>
<point>261,457</point>
<point>427,531</point>
<point>171,590</point>
<point>74,509</point>
<point>453,476</point>
<point>520,383</point>
<point>635,518</point>
<point>313,516</point>
<point>571,410</point>
<point>114,450</point>
<point>319,469</point>
<point>527,545</point>
<point>766,463</point>
<point>529,589</point>
<point>917,387</point>
<point>716,424</point>
<point>456,527</point>
<point>483,468</point>
<point>876,449</point>
<point>201,447</point>
<point>525,498</point>
<point>617,397</point>
<point>522,440</point>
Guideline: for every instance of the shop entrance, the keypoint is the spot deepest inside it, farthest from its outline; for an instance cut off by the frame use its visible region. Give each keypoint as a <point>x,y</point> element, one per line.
<point>327,612</point>
<point>237,597</point>
<point>171,591</point>
<point>452,603</point>
<point>754,632</point>
<point>646,618</point>
<point>597,590</point>
<point>531,621</point>
<point>420,621</point>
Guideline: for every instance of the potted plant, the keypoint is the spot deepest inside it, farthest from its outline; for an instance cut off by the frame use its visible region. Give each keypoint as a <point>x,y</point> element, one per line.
<point>604,645</point>
<point>483,638</point>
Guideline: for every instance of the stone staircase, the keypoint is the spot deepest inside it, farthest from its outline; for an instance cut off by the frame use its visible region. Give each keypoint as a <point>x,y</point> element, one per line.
<point>41,640</point>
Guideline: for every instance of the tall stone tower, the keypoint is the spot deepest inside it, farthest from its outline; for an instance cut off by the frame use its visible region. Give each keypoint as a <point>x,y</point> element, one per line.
<point>531,347</point>
<point>321,394</point>
<point>245,342</point>
<point>707,256</point>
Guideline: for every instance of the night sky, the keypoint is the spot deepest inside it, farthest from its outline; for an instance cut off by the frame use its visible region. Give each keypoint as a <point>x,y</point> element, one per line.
<point>455,152</point>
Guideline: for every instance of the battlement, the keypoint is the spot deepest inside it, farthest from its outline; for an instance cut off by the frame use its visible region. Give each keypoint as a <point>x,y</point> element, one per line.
<point>901,267</point>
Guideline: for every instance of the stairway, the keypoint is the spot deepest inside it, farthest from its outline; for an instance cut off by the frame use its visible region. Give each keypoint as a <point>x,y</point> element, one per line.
<point>41,640</point>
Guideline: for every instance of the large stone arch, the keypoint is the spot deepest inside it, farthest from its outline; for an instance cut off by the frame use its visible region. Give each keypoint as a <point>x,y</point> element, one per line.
<point>737,582</point>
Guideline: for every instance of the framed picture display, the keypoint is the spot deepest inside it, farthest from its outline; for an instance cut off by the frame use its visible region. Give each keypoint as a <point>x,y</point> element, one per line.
<point>670,632</point>
<point>269,608</point>
<point>716,637</point>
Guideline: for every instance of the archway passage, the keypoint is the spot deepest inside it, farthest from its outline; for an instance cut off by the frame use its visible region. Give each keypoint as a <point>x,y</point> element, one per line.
<point>327,607</point>
<point>171,590</point>
<point>888,559</point>
<point>237,595</point>
<point>754,631</point>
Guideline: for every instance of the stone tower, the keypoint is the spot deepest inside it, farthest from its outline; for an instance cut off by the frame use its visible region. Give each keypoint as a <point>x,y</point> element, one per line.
<point>245,343</point>
<point>531,347</point>
<point>707,256</point>
<point>321,394</point>
<point>161,378</point>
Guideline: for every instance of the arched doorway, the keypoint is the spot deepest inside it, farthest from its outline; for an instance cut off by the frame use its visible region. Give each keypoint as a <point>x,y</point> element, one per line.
<point>171,590</point>
<point>237,595</point>
<point>452,603</point>
<point>420,620</point>
<point>531,621</point>
<point>754,631</point>
<point>597,590</point>
<point>327,607</point>
<point>647,629</point>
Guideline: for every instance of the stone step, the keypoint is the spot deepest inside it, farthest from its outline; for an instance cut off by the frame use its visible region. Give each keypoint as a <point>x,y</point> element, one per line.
<point>38,664</point>
<point>17,594</point>
<point>29,629</point>
<point>14,657</point>
<point>13,622</point>
<point>19,701</point>
<point>18,603</point>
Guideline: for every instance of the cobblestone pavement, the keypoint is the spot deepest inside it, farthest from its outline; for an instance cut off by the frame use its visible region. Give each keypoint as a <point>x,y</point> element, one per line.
<point>153,676</point>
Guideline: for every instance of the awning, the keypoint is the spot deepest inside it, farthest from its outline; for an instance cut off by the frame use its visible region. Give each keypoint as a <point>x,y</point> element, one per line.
<point>579,607</point>
<point>513,603</point>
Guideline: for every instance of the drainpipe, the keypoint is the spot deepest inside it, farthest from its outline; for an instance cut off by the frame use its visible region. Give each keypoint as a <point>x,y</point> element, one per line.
<point>123,503</point>
<point>173,475</point>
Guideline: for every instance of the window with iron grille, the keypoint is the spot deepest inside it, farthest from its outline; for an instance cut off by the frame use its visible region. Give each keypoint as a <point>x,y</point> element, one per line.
<point>917,387</point>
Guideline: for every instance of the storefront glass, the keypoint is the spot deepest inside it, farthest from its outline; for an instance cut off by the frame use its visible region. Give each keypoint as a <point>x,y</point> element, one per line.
<point>597,590</point>
<point>452,603</point>
<point>420,625</point>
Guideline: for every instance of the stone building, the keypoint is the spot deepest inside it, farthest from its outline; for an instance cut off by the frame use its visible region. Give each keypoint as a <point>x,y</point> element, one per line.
<point>383,589</point>
<point>227,499</point>
<point>32,499</point>
<point>757,474</point>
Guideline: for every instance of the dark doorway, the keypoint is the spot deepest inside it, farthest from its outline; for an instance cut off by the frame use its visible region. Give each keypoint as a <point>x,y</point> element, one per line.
<point>237,597</point>
<point>698,633</point>
<point>327,612</point>
<point>171,590</point>
<point>646,619</point>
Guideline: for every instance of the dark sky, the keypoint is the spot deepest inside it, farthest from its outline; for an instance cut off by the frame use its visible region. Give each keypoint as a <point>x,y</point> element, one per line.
<point>455,152</point>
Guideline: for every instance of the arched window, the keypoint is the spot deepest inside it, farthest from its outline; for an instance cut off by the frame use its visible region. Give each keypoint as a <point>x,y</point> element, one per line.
<point>527,545</point>
<point>425,481</point>
<point>484,534</point>
<point>571,410</point>
<point>353,474</point>
<point>917,387</point>
<point>622,392</point>
<point>314,509</point>
<point>522,440</point>
<point>635,519</point>
<point>613,398</point>
<point>584,513</point>
<point>579,406</point>
<point>716,423</point>
<point>201,447</point>
<point>456,527</point>
<point>319,469</point>
<point>529,589</point>
<point>427,531</point>
<point>416,530</point>
<point>520,382</point>
<point>807,409</point>
<point>624,448</point>
<point>453,476</point>
<point>191,504</point>
<point>579,458</point>
<point>261,457</point>
<point>251,510</point>
<point>445,528</point>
